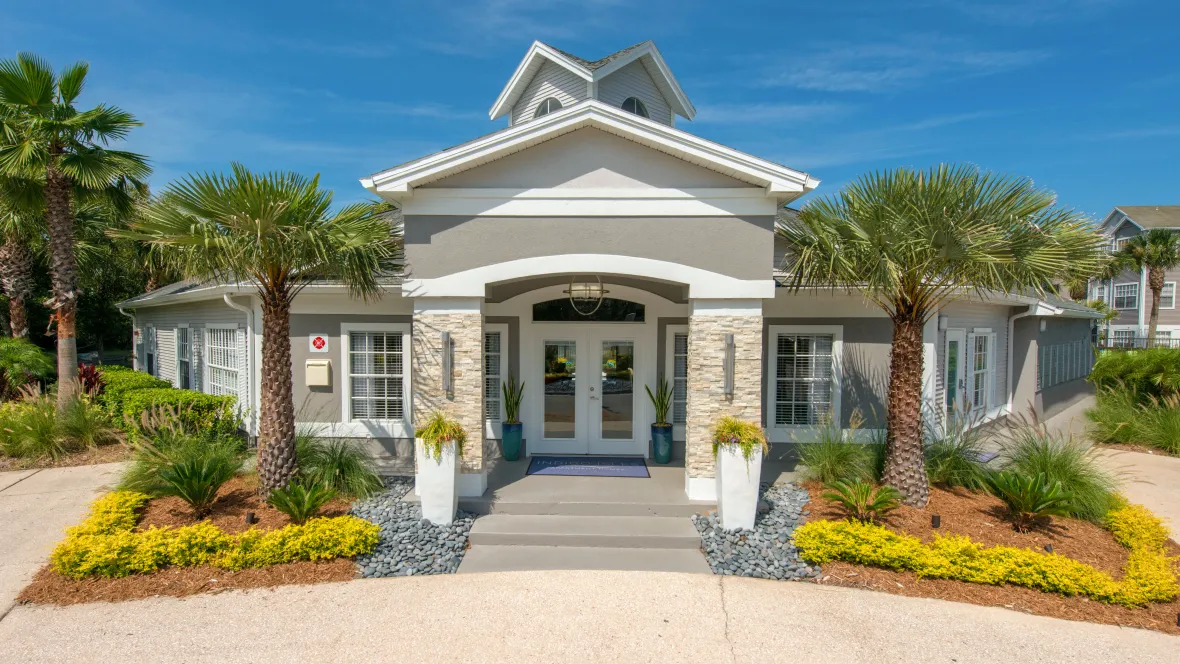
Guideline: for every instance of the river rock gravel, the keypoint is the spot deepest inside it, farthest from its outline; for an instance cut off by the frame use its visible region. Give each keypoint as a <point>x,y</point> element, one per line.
<point>409,544</point>
<point>766,552</point>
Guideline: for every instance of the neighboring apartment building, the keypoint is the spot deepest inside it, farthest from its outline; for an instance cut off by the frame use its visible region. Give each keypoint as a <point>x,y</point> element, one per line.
<point>1128,293</point>
<point>594,189</point>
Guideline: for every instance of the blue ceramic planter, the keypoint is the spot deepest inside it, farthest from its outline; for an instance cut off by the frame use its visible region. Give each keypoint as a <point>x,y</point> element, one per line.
<point>511,439</point>
<point>661,442</point>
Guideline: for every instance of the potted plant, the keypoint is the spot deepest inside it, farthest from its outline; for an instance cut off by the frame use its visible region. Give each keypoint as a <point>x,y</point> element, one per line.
<point>437,446</point>
<point>661,431</point>
<point>510,437</point>
<point>738,446</point>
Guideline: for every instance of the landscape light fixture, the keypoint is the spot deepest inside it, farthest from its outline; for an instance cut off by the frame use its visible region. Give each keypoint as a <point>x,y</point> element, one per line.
<point>250,518</point>
<point>936,521</point>
<point>1049,548</point>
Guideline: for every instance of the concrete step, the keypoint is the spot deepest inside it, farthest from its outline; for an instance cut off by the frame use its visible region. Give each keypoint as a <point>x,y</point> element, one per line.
<point>495,505</point>
<point>490,558</point>
<point>651,532</point>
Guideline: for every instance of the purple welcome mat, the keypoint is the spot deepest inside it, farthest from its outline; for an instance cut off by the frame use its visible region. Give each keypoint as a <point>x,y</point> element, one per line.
<point>588,466</point>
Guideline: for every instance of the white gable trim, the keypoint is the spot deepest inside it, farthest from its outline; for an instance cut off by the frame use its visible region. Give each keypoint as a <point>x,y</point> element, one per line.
<point>701,283</point>
<point>591,202</point>
<point>781,183</point>
<point>538,52</point>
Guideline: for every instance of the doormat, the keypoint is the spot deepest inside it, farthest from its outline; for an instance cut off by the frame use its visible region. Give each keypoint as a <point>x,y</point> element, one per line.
<point>588,466</point>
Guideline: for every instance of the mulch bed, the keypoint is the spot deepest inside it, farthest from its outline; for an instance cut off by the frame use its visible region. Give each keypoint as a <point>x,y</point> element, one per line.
<point>104,454</point>
<point>238,496</point>
<point>981,517</point>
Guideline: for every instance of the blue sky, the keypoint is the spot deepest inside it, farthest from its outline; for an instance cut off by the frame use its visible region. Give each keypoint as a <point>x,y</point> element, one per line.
<point>1081,95</point>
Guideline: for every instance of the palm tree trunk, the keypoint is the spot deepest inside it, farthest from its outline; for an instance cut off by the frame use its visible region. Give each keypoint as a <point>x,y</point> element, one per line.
<point>905,465</point>
<point>1155,281</point>
<point>16,275</point>
<point>276,428</point>
<point>59,217</point>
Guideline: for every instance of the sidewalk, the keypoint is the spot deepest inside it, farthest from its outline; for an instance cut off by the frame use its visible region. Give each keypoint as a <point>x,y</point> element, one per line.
<point>36,506</point>
<point>563,616</point>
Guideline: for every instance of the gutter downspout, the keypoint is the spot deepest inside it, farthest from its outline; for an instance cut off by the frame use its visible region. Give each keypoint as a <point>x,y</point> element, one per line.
<point>1032,310</point>
<point>229,300</point>
<point>134,355</point>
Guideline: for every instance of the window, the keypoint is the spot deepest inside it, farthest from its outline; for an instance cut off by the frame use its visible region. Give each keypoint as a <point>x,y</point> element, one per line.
<point>611,310</point>
<point>1100,292</point>
<point>679,378</point>
<point>633,105</point>
<point>1126,296</point>
<point>492,374</point>
<point>376,375</point>
<point>222,360</point>
<point>149,349</point>
<point>805,377</point>
<point>1124,338</point>
<point>184,355</point>
<point>547,106</point>
<point>1063,362</point>
<point>980,370</point>
<point>1168,296</point>
<point>1120,243</point>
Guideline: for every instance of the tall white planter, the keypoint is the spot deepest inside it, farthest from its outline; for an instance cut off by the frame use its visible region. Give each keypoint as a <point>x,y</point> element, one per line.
<point>737,486</point>
<point>436,481</point>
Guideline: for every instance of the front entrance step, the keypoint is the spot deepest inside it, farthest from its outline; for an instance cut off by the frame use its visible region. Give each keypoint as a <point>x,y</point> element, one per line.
<point>490,558</point>
<point>620,508</point>
<point>633,532</point>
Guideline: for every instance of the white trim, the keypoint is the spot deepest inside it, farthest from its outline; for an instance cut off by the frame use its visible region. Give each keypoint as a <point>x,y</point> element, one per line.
<point>702,283</point>
<point>782,434</point>
<point>700,488</point>
<point>724,307</point>
<point>524,74</point>
<point>1138,297</point>
<point>590,202</point>
<point>471,485</point>
<point>447,305</point>
<point>402,428</point>
<point>495,430</point>
<point>1142,297</point>
<point>670,332</point>
<point>781,183</point>
<point>1173,285</point>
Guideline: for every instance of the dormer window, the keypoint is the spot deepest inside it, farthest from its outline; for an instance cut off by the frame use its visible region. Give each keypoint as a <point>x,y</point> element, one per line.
<point>547,106</point>
<point>633,105</point>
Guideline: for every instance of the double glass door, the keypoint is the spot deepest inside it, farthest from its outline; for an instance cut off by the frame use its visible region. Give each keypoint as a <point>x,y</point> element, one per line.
<point>589,400</point>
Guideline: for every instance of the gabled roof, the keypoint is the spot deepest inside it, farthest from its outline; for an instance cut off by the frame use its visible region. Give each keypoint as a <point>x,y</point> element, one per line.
<point>592,72</point>
<point>779,181</point>
<point>1152,216</point>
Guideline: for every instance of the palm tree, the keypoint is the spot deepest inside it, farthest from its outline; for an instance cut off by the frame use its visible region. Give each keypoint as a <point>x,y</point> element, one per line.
<point>277,232</point>
<point>1156,251</point>
<point>20,226</point>
<point>44,136</point>
<point>910,241</point>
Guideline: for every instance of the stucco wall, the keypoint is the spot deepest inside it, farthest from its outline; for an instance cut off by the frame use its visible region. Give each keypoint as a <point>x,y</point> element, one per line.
<point>740,247</point>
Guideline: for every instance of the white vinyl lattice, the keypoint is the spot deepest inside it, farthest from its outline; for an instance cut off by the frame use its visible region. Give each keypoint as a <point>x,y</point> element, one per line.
<point>222,361</point>
<point>679,378</point>
<point>376,375</point>
<point>803,379</point>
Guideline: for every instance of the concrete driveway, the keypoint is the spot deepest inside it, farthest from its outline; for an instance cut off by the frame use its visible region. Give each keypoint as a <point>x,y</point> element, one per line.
<point>1150,479</point>
<point>36,506</point>
<point>562,616</point>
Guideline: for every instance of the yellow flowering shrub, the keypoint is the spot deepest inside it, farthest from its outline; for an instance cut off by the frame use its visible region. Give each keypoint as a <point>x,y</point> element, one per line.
<point>106,544</point>
<point>1147,577</point>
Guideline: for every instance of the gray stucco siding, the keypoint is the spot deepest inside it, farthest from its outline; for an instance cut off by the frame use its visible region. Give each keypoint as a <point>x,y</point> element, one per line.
<point>739,247</point>
<point>864,366</point>
<point>323,404</point>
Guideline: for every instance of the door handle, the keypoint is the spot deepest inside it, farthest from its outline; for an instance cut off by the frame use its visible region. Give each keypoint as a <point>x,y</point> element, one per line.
<point>594,398</point>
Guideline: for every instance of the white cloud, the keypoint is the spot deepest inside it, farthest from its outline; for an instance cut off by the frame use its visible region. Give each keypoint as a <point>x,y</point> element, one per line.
<point>885,66</point>
<point>766,113</point>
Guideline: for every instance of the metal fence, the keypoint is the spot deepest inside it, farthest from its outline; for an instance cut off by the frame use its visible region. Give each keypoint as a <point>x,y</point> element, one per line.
<point>1118,341</point>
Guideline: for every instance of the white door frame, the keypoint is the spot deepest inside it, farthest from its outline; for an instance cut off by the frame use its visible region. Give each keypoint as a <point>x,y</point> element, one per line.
<point>960,378</point>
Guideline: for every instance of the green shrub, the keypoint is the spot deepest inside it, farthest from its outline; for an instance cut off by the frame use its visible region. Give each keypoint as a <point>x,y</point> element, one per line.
<point>952,459</point>
<point>861,500</point>
<point>33,429</point>
<point>22,362</point>
<point>194,410</point>
<point>1031,450</point>
<point>1152,372</point>
<point>1113,417</point>
<point>106,544</point>
<point>337,463</point>
<point>120,381</point>
<point>300,502</point>
<point>197,481</point>
<point>834,456</point>
<point>169,449</point>
<point>1158,425</point>
<point>1029,497</point>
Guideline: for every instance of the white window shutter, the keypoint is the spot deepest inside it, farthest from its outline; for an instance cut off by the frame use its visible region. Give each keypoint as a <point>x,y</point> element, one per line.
<point>197,352</point>
<point>243,373</point>
<point>991,370</point>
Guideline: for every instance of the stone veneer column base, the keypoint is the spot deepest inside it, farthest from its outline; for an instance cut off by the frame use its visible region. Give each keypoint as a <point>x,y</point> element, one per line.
<point>463,319</point>
<point>708,324</point>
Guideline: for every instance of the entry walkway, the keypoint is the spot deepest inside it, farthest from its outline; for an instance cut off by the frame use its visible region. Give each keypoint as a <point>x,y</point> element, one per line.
<point>563,617</point>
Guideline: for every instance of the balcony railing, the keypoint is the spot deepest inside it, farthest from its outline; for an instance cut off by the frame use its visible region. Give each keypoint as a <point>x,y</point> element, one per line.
<point>1130,342</point>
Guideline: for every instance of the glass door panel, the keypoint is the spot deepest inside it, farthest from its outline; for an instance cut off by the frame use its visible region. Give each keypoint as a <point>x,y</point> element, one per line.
<point>618,390</point>
<point>560,382</point>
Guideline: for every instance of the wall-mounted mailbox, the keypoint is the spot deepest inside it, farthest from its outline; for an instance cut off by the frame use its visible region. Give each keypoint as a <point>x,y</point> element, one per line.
<point>318,373</point>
